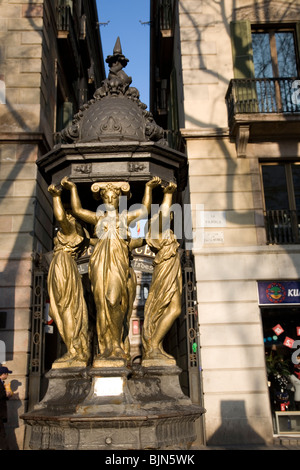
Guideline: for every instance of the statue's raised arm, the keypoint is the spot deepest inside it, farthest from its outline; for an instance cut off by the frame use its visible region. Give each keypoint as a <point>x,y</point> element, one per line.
<point>67,304</point>
<point>77,209</point>
<point>145,209</point>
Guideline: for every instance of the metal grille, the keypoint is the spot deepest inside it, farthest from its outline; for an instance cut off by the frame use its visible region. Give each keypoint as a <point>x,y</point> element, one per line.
<point>166,14</point>
<point>64,16</point>
<point>37,323</point>
<point>36,363</point>
<point>192,336</point>
<point>262,95</point>
<point>282,226</point>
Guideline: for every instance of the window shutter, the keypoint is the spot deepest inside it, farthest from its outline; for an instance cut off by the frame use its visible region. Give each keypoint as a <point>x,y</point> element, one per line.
<point>243,66</point>
<point>242,52</point>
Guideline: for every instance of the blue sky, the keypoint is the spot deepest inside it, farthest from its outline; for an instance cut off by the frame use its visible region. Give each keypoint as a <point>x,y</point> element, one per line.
<point>125,17</point>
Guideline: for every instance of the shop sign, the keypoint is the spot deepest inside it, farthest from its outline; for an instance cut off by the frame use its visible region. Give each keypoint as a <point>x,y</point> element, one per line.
<point>289,342</point>
<point>279,292</point>
<point>278,329</point>
<point>143,259</point>
<point>142,265</point>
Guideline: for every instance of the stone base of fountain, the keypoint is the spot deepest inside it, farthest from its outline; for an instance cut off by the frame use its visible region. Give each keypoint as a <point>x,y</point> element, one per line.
<point>113,408</point>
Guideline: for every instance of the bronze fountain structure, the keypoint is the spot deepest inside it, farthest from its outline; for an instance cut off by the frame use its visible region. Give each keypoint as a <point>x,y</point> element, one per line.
<point>97,399</point>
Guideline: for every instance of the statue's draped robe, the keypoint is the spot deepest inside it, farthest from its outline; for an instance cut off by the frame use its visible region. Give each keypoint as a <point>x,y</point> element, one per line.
<point>67,304</point>
<point>109,274</point>
<point>166,280</point>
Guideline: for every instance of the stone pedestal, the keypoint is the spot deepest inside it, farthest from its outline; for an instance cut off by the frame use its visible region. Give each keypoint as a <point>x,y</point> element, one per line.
<point>114,409</point>
<point>108,393</point>
<point>66,388</point>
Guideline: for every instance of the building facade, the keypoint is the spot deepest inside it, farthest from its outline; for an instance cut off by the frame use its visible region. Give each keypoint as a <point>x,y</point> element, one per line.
<point>50,64</point>
<point>225,84</point>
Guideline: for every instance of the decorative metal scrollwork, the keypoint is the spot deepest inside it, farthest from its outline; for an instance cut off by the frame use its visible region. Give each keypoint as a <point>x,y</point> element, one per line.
<point>191,311</point>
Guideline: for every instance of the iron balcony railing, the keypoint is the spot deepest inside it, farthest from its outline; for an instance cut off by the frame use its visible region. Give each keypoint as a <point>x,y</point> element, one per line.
<point>263,95</point>
<point>166,9</point>
<point>64,17</point>
<point>282,227</point>
<point>68,21</point>
<point>67,25</point>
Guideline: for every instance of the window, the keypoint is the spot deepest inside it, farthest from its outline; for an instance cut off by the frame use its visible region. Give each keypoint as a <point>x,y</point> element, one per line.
<point>274,54</point>
<point>266,64</point>
<point>274,57</point>
<point>280,362</point>
<point>281,183</point>
<point>264,53</point>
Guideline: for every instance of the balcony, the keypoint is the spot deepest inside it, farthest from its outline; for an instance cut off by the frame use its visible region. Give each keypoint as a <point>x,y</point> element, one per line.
<point>282,227</point>
<point>263,108</point>
<point>166,16</point>
<point>67,35</point>
<point>64,21</point>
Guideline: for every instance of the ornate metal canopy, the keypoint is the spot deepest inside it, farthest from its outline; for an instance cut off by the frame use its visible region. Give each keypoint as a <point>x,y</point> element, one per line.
<point>114,136</point>
<point>116,112</point>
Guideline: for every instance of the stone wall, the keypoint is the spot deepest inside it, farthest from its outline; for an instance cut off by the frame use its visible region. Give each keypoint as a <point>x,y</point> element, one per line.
<point>22,140</point>
<point>232,255</point>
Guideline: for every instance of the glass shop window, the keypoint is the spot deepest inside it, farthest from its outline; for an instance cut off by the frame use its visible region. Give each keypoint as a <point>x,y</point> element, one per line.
<point>281,328</point>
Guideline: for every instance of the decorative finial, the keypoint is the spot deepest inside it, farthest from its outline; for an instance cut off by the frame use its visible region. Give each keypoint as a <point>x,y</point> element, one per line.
<point>113,124</point>
<point>117,55</point>
<point>117,48</point>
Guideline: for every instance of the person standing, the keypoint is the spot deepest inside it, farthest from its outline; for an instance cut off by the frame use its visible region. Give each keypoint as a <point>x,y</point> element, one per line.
<point>4,396</point>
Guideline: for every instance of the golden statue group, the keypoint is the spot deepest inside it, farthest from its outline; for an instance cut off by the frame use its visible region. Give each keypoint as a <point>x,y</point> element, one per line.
<point>113,281</point>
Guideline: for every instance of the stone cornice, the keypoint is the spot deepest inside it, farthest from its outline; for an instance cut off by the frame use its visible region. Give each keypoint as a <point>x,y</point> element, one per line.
<point>204,133</point>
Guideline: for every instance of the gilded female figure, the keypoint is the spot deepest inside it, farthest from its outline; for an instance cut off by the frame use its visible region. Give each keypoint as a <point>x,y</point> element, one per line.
<point>109,266</point>
<point>67,305</point>
<point>163,304</point>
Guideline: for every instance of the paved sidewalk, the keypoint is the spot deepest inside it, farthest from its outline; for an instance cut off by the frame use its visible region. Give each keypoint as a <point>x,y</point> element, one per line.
<point>279,443</point>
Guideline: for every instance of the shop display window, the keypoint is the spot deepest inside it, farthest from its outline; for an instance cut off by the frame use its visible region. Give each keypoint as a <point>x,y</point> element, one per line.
<point>282,349</point>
